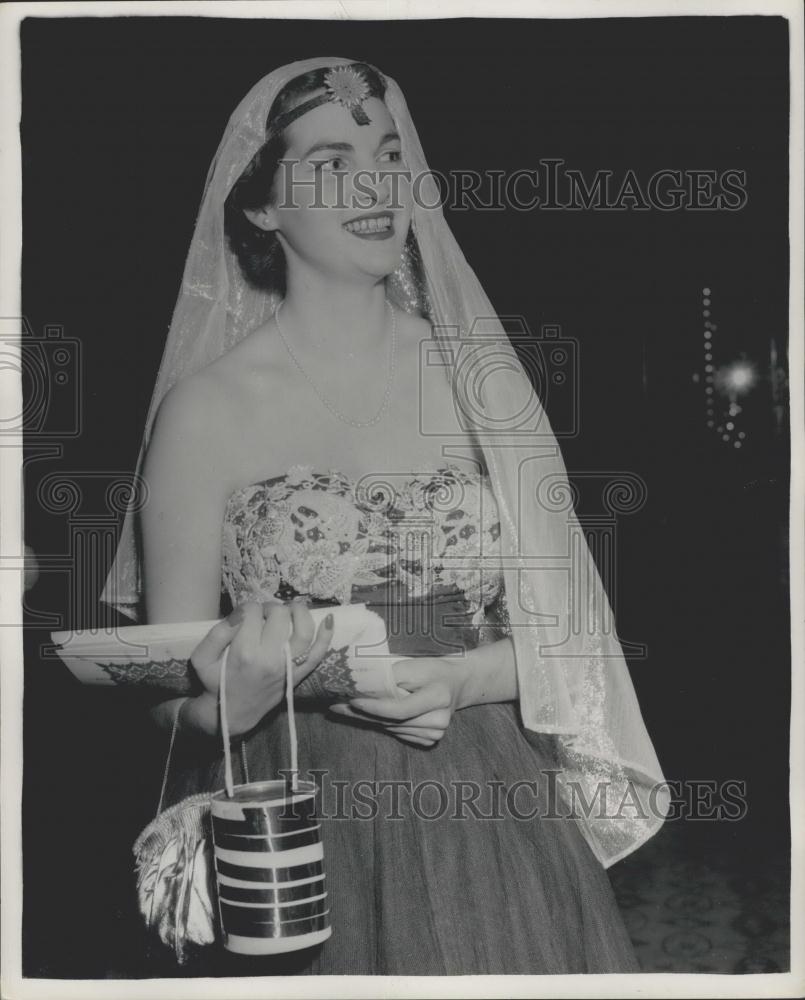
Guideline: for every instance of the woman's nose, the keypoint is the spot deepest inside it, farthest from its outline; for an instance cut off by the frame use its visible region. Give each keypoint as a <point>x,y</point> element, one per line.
<point>371,188</point>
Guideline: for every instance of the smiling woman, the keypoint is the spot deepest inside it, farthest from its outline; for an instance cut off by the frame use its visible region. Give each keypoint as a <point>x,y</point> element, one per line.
<point>316,290</point>
<point>317,199</point>
<point>292,171</point>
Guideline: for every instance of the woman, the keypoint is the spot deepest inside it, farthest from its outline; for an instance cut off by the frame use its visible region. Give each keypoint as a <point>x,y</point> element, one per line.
<point>303,411</point>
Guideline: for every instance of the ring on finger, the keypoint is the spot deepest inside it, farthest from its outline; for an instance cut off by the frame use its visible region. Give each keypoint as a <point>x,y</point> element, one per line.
<point>300,658</point>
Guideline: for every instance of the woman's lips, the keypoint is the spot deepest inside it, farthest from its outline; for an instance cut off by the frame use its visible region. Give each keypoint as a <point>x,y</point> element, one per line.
<point>371,230</point>
<point>382,234</point>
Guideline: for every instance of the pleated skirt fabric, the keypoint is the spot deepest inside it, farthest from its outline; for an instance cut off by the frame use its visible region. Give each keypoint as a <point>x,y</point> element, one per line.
<point>447,860</point>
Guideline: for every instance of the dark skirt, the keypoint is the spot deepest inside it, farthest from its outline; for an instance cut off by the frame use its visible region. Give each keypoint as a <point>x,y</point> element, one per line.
<point>439,860</point>
<point>454,866</point>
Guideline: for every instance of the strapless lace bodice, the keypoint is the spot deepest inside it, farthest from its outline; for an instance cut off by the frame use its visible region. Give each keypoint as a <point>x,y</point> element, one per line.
<point>337,539</point>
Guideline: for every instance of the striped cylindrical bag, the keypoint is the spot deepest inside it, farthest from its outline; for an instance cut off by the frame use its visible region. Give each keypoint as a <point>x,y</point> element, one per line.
<point>269,859</point>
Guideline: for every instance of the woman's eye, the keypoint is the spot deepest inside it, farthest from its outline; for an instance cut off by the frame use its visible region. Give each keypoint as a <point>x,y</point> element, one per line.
<point>395,154</point>
<point>334,163</point>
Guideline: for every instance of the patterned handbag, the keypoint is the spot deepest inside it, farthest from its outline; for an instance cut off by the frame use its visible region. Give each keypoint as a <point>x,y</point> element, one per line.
<point>174,855</point>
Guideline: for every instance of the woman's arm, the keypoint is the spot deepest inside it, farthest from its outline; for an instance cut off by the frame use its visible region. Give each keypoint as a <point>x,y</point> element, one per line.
<point>490,673</point>
<point>181,525</point>
<point>182,519</point>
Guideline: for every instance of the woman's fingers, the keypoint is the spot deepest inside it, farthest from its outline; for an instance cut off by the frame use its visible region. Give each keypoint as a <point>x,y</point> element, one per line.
<point>300,622</point>
<point>245,646</point>
<point>340,708</point>
<point>304,629</point>
<point>410,734</point>
<point>415,739</point>
<point>411,673</point>
<point>257,633</point>
<point>211,648</point>
<point>321,645</point>
<point>431,697</point>
<point>420,717</point>
<point>324,636</point>
<point>437,719</point>
<point>275,630</point>
<point>431,726</point>
<point>434,735</point>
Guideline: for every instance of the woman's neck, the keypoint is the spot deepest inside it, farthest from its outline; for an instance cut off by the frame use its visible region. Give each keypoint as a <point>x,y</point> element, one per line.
<point>335,318</point>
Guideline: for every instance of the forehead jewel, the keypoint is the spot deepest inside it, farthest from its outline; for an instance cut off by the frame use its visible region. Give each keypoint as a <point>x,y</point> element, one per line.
<point>344,85</point>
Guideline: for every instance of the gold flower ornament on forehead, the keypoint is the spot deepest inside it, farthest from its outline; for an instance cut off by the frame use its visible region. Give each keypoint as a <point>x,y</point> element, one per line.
<point>344,85</point>
<point>348,87</point>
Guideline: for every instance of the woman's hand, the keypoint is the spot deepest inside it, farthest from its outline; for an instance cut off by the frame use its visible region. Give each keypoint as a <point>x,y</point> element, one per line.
<point>437,687</point>
<point>255,672</point>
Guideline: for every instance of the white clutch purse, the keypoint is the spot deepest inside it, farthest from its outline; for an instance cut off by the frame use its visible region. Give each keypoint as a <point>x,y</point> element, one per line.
<point>158,656</point>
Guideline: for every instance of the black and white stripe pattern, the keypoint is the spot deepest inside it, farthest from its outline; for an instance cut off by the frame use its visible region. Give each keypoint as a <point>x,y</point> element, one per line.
<point>269,861</point>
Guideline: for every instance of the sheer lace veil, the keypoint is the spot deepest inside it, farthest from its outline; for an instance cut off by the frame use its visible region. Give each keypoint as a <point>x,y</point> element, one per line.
<point>575,691</point>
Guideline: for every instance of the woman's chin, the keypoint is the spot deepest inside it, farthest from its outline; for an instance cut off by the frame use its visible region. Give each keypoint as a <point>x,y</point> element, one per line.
<point>380,261</point>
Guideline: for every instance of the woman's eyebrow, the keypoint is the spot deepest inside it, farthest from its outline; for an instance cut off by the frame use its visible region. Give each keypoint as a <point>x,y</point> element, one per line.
<point>389,137</point>
<point>345,146</point>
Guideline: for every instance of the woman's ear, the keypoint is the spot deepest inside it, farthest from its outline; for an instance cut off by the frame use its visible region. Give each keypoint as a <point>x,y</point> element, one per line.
<point>264,218</point>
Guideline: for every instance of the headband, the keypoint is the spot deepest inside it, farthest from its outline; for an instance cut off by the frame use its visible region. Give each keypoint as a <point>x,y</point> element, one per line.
<point>345,85</point>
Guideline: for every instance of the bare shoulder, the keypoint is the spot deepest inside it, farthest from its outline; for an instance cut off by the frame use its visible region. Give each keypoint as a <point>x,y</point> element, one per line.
<point>192,426</point>
<point>221,415</point>
<point>192,407</point>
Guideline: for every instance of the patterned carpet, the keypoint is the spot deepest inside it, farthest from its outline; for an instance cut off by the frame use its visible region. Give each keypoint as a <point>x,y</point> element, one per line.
<point>695,902</point>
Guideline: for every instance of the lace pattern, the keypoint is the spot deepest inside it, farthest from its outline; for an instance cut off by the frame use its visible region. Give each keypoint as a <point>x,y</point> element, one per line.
<point>323,534</point>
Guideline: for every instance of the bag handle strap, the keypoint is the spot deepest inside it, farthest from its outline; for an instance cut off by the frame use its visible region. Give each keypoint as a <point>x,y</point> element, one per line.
<point>174,730</point>
<point>293,777</point>
<point>179,706</point>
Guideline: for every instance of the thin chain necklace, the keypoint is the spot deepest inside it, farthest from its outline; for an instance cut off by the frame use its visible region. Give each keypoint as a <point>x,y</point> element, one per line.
<point>333,409</point>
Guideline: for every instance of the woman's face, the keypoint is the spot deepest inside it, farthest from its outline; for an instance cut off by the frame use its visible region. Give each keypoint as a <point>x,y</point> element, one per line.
<point>335,174</point>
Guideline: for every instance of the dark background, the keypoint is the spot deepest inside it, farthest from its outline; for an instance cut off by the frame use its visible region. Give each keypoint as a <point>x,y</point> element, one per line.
<point>120,120</point>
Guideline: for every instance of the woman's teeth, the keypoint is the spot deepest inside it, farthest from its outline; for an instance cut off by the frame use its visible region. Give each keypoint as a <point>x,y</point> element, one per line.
<point>369,225</point>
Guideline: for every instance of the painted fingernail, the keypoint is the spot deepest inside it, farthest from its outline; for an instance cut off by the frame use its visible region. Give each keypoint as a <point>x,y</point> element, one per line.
<point>328,621</point>
<point>236,617</point>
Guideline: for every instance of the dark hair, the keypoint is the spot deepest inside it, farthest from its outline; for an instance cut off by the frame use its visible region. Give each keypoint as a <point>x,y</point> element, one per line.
<point>259,253</point>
